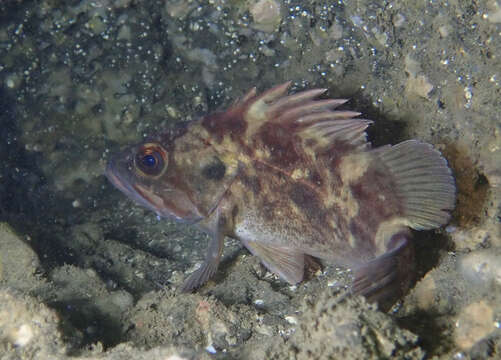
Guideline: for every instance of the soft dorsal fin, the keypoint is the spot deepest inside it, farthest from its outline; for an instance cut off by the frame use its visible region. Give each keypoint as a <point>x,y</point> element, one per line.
<point>315,121</point>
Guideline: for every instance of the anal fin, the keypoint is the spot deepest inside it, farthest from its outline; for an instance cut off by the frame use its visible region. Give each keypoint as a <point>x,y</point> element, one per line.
<point>286,262</point>
<point>389,276</point>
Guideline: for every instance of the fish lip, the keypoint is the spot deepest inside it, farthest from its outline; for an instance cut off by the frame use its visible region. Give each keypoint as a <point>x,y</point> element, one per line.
<point>117,179</point>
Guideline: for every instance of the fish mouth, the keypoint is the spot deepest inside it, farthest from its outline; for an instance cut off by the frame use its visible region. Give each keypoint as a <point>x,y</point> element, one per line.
<point>148,199</point>
<point>122,183</point>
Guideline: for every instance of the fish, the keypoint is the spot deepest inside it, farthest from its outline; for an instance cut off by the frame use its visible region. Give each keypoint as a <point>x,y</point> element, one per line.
<point>296,181</point>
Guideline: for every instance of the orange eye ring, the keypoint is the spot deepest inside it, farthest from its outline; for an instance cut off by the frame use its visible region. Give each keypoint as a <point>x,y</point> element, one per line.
<point>151,161</point>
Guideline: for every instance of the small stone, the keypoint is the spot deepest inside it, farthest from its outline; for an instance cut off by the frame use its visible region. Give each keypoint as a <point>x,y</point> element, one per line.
<point>172,111</point>
<point>333,283</point>
<point>210,349</point>
<point>205,56</point>
<point>96,25</point>
<point>122,299</point>
<point>412,67</point>
<point>381,37</point>
<point>444,30</point>
<point>265,330</point>
<point>425,292</point>
<point>336,31</point>
<point>494,14</point>
<point>386,345</point>
<point>12,81</point>
<point>482,267</point>
<point>399,20</point>
<point>178,9</point>
<point>269,52</point>
<point>22,336</point>
<point>418,85</point>
<point>475,322</point>
<point>266,15</point>
<point>124,33</point>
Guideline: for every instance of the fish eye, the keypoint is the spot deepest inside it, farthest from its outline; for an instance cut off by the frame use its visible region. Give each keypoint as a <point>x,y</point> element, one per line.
<point>151,160</point>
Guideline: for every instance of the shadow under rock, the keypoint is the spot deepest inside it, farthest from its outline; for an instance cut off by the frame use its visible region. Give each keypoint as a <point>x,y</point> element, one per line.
<point>433,333</point>
<point>96,325</point>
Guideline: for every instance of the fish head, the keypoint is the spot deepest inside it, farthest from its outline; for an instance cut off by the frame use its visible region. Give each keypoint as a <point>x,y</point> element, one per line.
<point>142,173</point>
<point>180,177</point>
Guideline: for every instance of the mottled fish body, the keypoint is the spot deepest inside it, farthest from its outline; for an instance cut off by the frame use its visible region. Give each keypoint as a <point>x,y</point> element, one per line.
<point>292,177</point>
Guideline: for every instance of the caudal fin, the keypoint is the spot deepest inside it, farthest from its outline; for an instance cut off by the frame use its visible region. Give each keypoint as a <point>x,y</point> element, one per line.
<point>425,187</point>
<point>424,183</point>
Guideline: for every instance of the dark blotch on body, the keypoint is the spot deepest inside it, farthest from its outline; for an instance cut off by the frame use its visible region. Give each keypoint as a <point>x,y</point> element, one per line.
<point>307,200</point>
<point>215,170</point>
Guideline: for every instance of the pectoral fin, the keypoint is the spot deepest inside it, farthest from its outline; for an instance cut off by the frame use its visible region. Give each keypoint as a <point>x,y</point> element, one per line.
<point>209,267</point>
<point>286,262</point>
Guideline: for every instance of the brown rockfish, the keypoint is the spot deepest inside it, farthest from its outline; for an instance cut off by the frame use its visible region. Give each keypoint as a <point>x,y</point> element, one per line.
<point>292,178</point>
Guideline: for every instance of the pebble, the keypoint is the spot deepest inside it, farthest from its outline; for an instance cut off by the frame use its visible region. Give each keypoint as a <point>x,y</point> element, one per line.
<point>122,299</point>
<point>259,302</point>
<point>12,81</point>
<point>266,15</point>
<point>419,85</point>
<point>482,267</point>
<point>21,336</point>
<point>475,322</point>
<point>425,292</point>
<point>124,33</point>
<point>494,14</point>
<point>210,349</point>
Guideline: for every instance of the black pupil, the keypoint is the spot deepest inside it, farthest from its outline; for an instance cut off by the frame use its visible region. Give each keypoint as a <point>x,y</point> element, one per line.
<point>149,160</point>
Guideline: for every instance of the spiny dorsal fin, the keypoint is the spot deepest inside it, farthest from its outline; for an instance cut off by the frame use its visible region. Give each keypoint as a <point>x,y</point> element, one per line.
<point>327,132</point>
<point>312,119</point>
